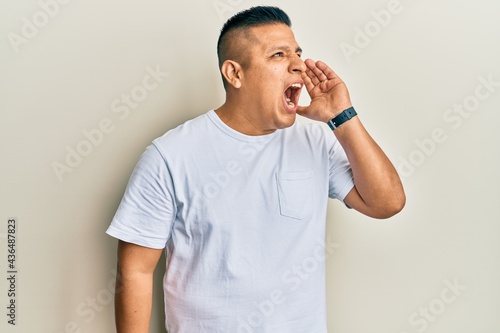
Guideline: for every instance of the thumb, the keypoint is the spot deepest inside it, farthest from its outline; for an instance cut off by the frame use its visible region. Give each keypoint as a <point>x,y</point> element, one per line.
<point>302,110</point>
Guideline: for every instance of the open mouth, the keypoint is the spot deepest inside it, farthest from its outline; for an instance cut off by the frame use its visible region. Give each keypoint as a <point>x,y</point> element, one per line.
<point>291,95</point>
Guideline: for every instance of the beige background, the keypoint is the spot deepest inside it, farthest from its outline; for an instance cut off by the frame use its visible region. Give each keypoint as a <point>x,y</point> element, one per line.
<point>404,78</point>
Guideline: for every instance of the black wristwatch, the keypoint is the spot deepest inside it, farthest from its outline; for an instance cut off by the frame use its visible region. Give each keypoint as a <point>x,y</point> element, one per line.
<point>342,118</point>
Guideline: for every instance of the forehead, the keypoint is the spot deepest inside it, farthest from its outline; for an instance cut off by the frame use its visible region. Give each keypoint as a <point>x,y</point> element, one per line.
<point>271,35</point>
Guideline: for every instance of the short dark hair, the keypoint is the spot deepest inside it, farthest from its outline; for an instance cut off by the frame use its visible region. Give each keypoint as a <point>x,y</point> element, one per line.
<point>252,17</point>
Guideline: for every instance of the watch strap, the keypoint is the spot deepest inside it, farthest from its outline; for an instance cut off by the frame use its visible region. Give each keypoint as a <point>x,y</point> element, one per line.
<point>342,118</point>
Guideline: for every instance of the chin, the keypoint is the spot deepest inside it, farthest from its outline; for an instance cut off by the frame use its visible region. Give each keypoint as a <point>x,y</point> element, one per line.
<point>287,121</point>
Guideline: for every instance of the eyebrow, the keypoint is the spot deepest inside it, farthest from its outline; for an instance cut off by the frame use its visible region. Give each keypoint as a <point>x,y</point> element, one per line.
<point>286,48</point>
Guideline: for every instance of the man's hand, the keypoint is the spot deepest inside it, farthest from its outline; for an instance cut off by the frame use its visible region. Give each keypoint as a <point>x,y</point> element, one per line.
<point>378,191</point>
<point>329,94</point>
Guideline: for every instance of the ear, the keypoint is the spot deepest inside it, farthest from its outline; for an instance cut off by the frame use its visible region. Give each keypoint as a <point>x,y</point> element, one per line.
<point>232,72</point>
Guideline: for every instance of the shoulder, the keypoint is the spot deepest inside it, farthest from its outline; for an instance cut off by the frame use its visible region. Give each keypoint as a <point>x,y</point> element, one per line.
<point>184,135</point>
<point>186,129</point>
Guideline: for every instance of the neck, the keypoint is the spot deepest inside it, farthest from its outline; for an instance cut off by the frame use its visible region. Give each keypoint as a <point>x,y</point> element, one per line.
<point>240,118</point>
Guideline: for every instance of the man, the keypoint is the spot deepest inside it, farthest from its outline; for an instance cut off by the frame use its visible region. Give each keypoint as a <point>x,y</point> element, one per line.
<point>237,197</point>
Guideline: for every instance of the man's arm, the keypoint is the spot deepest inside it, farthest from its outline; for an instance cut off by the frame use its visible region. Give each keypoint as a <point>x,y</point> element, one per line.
<point>378,191</point>
<point>134,287</point>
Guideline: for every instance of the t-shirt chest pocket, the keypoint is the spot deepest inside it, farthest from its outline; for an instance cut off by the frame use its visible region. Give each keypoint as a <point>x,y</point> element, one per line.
<point>295,193</point>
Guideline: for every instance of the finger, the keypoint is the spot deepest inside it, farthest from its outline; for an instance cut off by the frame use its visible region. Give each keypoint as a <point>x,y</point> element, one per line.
<point>327,71</point>
<point>313,72</point>
<point>301,110</point>
<point>318,72</point>
<point>309,73</point>
<point>308,83</point>
<point>314,79</point>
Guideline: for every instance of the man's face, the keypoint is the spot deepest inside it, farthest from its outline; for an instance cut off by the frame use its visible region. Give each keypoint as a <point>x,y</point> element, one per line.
<point>272,82</point>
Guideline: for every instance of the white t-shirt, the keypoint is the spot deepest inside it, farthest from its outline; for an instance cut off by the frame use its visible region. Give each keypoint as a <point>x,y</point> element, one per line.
<point>242,221</point>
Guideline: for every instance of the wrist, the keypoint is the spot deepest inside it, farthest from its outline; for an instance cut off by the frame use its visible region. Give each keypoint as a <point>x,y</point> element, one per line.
<point>341,118</point>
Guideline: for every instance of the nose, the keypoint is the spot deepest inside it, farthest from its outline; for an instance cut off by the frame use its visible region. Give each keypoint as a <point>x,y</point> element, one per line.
<point>297,65</point>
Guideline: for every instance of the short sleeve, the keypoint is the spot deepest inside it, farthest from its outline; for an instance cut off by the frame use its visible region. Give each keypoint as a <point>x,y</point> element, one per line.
<point>147,210</point>
<point>340,173</point>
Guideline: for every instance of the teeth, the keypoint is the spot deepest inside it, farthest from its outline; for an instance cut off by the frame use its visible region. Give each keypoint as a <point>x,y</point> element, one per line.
<point>294,86</point>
